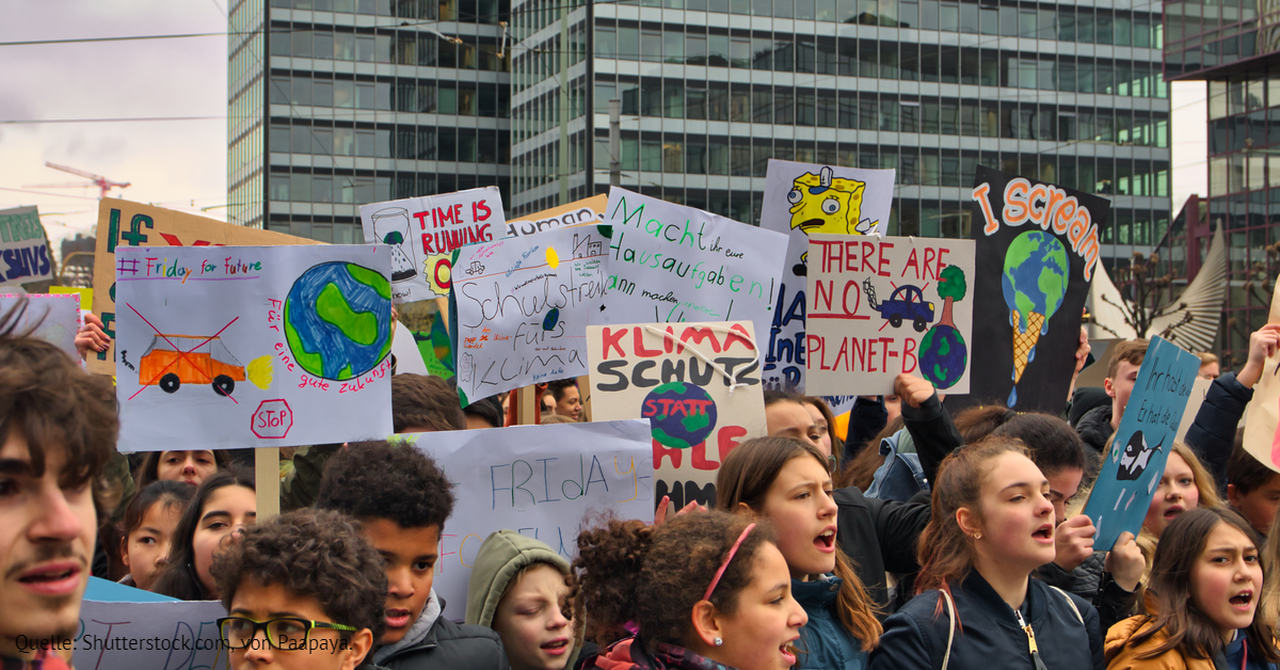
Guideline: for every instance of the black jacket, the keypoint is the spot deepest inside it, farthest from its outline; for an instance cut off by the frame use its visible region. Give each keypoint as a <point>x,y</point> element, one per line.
<point>1091,581</point>
<point>1213,433</point>
<point>1095,428</point>
<point>880,535</point>
<point>451,646</point>
<point>987,634</point>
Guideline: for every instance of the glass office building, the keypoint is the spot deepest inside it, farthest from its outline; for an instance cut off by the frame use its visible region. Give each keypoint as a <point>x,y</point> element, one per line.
<point>337,103</point>
<point>1235,46</point>
<point>1070,92</point>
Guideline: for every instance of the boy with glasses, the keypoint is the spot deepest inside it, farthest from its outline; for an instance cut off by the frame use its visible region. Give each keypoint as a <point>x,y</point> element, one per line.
<point>302,591</point>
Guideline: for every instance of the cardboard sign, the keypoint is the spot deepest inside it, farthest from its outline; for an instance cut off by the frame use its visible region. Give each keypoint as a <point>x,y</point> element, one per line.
<point>1037,248</point>
<point>577,213</point>
<point>160,635</point>
<point>52,318</point>
<point>546,482</point>
<point>24,248</point>
<point>882,306</point>
<point>522,306</point>
<point>130,224</point>
<point>697,383</point>
<point>1142,442</point>
<point>675,264</point>
<point>422,233</point>
<point>801,199</point>
<point>253,346</point>
<point>1262,416</point>
<point>1199,389</point>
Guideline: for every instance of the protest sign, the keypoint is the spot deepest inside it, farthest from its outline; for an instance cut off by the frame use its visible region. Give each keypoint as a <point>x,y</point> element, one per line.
<point>545,482</point>
<point>577,213</point>
<point>130,224</point>
<point>1037,248</point>
<point>699,386</point>
<point>1262,415</point>
<point>52,318</point>
<point>252,346</point>
<point>161,635</point>
<point>672,264</point>
<point>522,306</point>
<point>1132,468</point>
<point>1199,389</point>
<point>882,306</point>
<point>24,248</point>
<point>423,231</point>
<point>801,199</point>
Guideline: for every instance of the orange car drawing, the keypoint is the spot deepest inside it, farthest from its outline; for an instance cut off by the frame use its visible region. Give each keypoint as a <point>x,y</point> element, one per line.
<point>208,362</point>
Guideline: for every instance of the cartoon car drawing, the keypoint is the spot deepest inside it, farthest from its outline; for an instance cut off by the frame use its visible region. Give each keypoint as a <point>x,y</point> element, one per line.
<point>208,362</point>
<point>907,303</point>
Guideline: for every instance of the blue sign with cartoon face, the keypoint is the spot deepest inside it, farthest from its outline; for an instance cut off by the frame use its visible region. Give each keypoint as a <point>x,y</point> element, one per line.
<point>1135,461</point>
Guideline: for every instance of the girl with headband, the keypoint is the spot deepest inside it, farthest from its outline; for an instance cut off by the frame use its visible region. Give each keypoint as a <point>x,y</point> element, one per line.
<point>703,591</point>
<point>991,525</point>
<point>788,483</point>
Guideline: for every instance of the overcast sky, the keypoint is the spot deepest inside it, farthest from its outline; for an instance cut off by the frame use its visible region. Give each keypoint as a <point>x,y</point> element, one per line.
<point>170,163</point>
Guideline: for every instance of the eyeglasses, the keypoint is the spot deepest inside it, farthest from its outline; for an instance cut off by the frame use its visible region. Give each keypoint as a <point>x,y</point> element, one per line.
<point>284,633</point>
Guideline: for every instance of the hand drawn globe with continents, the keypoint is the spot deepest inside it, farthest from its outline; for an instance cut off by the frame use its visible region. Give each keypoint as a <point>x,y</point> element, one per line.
<point>337,320</point>
<point>943,356</point>
<point>680,415</point>
<point>1035,274</point>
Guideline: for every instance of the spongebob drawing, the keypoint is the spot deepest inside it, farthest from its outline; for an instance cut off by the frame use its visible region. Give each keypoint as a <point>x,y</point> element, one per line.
<point>821,203</point>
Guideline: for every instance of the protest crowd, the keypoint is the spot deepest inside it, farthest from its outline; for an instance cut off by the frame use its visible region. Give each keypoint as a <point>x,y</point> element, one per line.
<point>907,532</point>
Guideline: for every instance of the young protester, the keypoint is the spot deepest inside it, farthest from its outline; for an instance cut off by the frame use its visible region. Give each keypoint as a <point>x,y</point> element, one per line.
<point>992,525</point>
<point>302,591</point>
<point>703,591</point>
<point>568,399</point>
<point>58,428</point>
<point>1253,489</point>
<point>1209,367</point>
<point>421,404</point>
<point>147,529</point>
<point>1184,485</point>
<point>1205,588</point>
<point>1096,425</point>
<point>402,498</point>
<point>828,442</point>
<point>190,466</point>
<point>519,588</point>
<point>1108,579</point>
<point>1269,606</point>
<point>877,535</point>
<point>788,483</point>
<point>224,504</point>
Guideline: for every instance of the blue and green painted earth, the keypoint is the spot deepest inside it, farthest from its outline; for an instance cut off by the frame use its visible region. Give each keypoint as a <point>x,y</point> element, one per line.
<point>943,356</point>
<point>1035,275</point>
<point>337,320</point>
<point>680,415</point>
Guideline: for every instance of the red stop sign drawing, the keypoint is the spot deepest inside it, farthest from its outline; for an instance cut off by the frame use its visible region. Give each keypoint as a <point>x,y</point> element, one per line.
<point>272,419</point>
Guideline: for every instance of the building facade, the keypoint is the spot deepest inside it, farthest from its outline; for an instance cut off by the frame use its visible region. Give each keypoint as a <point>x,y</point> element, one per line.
<point>338,103</point>
<point>1235,46</point>
<point>1070,92</point>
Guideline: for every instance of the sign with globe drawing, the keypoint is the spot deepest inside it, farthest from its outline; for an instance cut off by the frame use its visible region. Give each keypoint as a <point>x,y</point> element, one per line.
<point>878,307</point>
<point>699,386</point>
<point>252,346</point>
<point>1037,247</point>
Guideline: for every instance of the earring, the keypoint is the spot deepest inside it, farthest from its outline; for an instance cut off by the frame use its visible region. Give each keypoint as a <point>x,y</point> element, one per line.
<point>977,536</point>
<point>718,642</point>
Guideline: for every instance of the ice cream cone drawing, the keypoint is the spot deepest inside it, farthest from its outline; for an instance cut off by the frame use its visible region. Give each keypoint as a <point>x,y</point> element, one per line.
<point>1034,283</point>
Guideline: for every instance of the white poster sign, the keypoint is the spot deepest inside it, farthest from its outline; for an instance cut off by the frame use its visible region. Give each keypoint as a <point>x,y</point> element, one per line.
<point>154,635</point>
<point>52,318</point>
<point>224,347</point>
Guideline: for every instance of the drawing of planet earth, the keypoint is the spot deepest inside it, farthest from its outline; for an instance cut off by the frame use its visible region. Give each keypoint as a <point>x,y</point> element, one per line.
<point>1035,274</point>
<point>337,320</point>
<point>943,356</point>
<point>680,415</point>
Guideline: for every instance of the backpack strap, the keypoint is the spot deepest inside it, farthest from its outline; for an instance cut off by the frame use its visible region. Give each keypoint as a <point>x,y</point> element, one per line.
<point>1070,602</point>
<point>951,631</point>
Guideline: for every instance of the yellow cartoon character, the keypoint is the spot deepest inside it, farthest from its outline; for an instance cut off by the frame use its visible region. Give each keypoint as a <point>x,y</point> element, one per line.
<point>823,204</point>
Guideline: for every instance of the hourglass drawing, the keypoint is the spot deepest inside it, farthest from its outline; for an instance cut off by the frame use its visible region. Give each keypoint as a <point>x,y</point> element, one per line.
<point>391,226</point>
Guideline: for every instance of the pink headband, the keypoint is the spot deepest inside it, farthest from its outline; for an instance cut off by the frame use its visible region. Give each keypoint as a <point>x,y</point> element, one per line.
<point>728,557</point>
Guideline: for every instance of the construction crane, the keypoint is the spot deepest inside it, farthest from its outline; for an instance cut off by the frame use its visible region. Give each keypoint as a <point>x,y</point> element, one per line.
<point>104,184</point>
